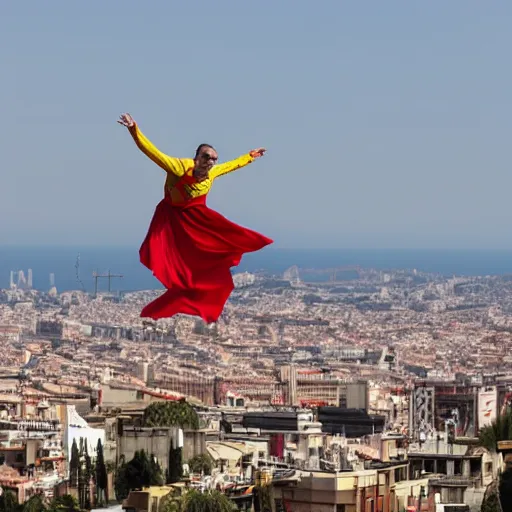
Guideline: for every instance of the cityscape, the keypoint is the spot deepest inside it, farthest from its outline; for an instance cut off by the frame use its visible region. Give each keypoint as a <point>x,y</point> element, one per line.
<point>255,256</point>
<point>350,388</point>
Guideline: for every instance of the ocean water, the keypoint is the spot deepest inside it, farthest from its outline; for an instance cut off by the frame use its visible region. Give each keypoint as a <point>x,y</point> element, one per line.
<point>125,260</point>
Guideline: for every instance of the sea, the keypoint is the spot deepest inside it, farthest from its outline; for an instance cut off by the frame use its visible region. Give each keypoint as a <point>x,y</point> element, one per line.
<point>73,267</point>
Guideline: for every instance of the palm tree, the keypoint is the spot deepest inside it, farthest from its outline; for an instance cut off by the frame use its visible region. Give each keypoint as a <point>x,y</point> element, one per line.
<point>499,430</point>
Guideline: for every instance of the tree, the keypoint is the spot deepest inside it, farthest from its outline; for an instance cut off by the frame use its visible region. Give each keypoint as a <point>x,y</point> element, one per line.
<point>169,503</point>
<point>74,464</point>
<point>66,503</point>
<point>156,474</point>
<point>491,501</point>
<point>84,475</point>
<point>499,430</point>
<point>121,487</point>
<point>8,502</point>
<point>171,414</point>
<point>505,490</point>
<point>263,496</point>
<point>175,472</point>
<point>201,463</point>
<point>212,501</point>
<point>34,504</point>
<point>141,471</point>
<point>101,476</point>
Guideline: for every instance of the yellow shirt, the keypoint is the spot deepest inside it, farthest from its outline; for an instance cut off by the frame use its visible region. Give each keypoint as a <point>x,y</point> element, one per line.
<point>176,168</point>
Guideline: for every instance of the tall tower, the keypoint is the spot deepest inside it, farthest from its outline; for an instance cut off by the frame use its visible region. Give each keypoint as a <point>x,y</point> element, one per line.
<point>29,279</point>
<point>52,280</point>
<point>22,282</point>
<point>12,284</point>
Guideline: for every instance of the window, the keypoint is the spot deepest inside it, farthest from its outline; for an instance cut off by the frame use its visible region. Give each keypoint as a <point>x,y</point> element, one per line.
<point>441,467</point>
<point>429,466</point>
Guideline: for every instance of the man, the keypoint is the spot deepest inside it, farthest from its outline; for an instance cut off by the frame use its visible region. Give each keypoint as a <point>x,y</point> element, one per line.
<point>189,247</point>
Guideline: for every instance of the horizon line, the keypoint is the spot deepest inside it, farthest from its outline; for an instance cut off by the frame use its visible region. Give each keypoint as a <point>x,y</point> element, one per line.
<point>269,248</point>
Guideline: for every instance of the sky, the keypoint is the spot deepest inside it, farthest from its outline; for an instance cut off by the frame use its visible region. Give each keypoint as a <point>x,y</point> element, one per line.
<point>387,123</point>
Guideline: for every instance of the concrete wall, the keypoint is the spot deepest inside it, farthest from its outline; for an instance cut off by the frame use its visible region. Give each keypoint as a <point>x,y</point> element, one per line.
<point>194,443</point>
<point>157,443</point>
<point>118,396</point>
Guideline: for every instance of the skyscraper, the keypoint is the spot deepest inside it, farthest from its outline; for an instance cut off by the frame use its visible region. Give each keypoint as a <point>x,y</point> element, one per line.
<point>22,282</point>
<point>52,280</point>
<point>29,279</point>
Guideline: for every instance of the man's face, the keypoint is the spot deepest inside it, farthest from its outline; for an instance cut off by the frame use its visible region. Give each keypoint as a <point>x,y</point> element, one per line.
<point>205,160</point>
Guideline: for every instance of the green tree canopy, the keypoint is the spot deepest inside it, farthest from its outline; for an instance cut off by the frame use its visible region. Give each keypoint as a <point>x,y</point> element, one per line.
<point>171,414</point>
<point>142,471</point>
<point>34,504</point>
<point>8,502</point>
<point>213,501</point>
<point>201,463</point>
<point>66,503</point>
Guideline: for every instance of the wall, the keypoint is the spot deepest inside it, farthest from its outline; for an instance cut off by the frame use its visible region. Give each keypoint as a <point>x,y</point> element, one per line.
<point>118,396</point>
<point>153,443</point>
<point>474,497</point>
<point>194,443</point>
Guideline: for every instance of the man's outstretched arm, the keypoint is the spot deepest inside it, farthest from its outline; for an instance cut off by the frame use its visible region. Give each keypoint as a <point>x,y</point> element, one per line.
<point>166,162</point>
<point>238,163</point>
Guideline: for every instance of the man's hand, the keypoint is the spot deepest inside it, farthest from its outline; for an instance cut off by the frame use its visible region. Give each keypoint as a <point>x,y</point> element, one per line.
<point>127,120</point>
<point>256,153</point>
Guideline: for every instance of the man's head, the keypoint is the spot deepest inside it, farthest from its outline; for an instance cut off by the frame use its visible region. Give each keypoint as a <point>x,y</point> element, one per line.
<point>206,157</point>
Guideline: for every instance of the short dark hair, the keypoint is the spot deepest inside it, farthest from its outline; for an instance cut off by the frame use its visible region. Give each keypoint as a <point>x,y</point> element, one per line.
<point>201,147</point>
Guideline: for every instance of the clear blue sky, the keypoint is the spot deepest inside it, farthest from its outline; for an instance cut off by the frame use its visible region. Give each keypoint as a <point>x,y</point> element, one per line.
<point>387,123</point>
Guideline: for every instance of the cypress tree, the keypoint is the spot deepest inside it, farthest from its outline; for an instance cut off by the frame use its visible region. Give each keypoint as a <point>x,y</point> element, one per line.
<point>74,464</point>
<point>101,475</point>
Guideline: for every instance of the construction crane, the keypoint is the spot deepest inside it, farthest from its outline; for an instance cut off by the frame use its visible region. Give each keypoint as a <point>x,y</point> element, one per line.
<point>108,276</point>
